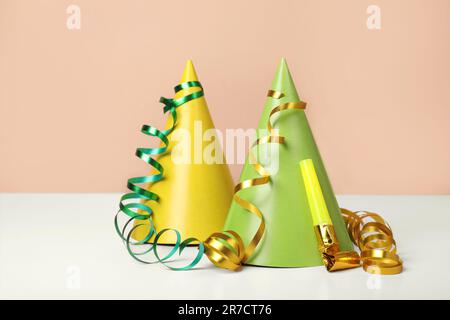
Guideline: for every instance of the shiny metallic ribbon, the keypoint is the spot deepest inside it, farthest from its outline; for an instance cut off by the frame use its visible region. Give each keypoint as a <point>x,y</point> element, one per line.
<point>134,204</point>
<point>371,234</point>
<point>226,249</point>
<point>375,240</point>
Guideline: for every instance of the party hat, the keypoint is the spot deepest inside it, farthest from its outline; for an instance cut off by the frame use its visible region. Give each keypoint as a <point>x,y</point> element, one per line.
<point>197,187</point>
<point>289,239</point>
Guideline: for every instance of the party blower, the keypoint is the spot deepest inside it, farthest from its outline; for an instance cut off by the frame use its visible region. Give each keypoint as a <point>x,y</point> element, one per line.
<point>184,191</point>
<point>282,219</point>
<point>328,244</point>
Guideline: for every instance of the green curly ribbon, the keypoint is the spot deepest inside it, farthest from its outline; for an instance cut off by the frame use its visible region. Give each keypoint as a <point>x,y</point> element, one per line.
<point>134,205</point>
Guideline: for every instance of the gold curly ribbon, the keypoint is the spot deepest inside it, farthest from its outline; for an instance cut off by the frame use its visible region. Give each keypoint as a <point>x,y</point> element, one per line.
<point>374,238</point>
<point>367,230</point>
<point>226,249</point>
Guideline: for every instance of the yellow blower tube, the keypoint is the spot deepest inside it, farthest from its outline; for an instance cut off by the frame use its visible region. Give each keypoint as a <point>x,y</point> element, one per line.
<point>318,207</point>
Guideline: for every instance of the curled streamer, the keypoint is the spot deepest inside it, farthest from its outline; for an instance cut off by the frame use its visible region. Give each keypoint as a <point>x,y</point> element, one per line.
<point>134,204</point>
<point>374,238</point>
<point>226,249</point>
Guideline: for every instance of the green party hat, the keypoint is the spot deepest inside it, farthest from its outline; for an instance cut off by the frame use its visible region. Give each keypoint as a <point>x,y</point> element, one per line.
<point>289,239</point>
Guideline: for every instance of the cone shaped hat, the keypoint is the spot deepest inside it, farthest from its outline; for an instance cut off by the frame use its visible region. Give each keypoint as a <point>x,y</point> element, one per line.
<point>289,239</point>
<point>195,193</point>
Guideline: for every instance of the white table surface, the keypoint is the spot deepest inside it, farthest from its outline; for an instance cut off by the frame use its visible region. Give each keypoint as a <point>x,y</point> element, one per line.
<point>64,246</point>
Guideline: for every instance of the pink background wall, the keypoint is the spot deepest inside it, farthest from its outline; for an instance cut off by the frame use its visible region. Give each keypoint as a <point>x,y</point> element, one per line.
<point>72,102</point>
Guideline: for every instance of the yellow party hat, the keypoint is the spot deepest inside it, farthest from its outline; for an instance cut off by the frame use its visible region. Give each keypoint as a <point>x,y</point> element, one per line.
<point>197,188</point>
